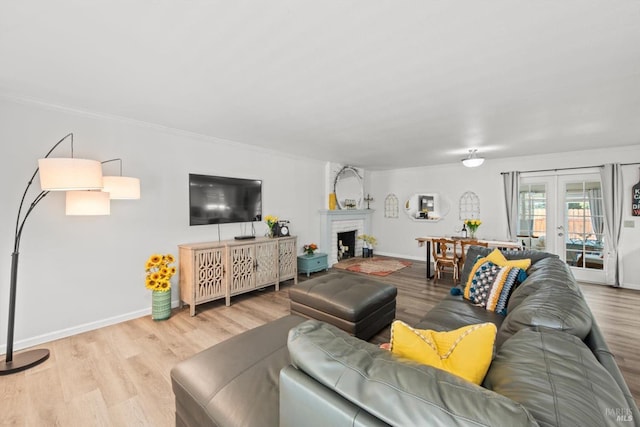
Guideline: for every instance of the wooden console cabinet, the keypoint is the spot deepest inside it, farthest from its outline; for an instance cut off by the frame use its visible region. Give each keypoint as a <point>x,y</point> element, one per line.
<point>214,270</point>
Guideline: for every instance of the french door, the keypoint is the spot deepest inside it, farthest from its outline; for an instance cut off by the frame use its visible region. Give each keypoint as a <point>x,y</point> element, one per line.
<point>563,214</point>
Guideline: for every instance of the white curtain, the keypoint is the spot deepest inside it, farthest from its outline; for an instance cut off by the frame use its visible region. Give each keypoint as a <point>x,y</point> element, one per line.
<point>612,196</point>
<point>511,189</point>
<point>594,196</point>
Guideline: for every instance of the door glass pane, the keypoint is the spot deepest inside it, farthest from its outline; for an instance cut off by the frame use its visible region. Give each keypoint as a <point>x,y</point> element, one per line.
<point>532,211</point>
<point>584,225</point>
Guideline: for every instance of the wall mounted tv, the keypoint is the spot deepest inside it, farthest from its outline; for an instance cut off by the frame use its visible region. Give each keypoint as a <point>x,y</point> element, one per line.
<point>223,200</point>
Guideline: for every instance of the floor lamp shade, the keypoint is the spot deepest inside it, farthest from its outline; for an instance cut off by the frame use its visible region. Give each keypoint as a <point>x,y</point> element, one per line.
<point>64,174</point>
<point>121,187</point>
<point>87,203</point>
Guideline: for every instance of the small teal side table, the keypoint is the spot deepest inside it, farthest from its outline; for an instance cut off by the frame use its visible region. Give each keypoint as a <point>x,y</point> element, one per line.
<point>312,263</point>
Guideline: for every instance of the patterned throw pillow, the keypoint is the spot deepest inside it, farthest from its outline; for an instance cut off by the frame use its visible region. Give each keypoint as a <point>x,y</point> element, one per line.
<point>465,352</point>
<point>490,285</point>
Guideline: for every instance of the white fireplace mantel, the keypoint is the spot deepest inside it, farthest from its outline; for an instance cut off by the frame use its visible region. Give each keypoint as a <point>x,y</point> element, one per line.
<point>333,222</point>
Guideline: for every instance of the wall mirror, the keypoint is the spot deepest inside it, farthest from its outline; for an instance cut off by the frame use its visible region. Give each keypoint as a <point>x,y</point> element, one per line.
<point>426,207</point>
<point>348,188</point>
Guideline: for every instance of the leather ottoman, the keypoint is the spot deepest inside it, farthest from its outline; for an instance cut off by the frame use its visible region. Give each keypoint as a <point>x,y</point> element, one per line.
<point>355,304</point>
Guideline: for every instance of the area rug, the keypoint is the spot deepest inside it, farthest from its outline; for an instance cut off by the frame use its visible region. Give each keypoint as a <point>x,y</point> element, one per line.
<point>376,266</point>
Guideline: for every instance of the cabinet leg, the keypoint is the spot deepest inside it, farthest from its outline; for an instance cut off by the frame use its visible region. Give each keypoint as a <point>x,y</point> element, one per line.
<point>192,309</point>
<point>227,301</point>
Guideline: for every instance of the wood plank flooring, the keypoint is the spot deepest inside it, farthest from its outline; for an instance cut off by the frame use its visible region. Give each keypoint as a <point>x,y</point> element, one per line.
<point>119,375</point>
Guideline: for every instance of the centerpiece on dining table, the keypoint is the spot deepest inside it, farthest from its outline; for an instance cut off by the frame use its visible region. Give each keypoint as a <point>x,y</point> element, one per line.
<point>472,225</point>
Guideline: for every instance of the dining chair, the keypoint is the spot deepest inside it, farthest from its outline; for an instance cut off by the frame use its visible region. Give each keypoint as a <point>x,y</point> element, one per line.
<point>444,257</point>
<point>462,255</point>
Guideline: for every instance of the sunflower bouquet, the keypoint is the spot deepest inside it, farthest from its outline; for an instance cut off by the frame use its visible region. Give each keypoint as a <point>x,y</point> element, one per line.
<point>159,272</point>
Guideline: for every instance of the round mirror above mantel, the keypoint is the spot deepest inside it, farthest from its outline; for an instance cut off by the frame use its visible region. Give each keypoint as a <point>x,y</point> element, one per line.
<point>426,207</point>
<point>348,188</point>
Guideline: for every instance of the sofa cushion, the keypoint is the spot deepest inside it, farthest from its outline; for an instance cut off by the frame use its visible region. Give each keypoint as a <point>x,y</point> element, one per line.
<point>474,251</point>
<point>557,378</point>
<point>396,391</point>
<point>454,312</point>
<point>549,297</point>
<point>490,285</point>
<point>465,352</point>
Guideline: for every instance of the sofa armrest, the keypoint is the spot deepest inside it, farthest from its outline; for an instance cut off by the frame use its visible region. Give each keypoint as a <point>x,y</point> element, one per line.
<point>306,402</point>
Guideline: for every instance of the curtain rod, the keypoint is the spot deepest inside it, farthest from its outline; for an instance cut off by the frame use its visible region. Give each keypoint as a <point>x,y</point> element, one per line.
<point>566,169</point>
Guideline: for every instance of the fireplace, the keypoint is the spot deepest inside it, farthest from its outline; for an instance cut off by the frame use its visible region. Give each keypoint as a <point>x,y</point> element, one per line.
<point>346,244</point>
<point>341,221</point>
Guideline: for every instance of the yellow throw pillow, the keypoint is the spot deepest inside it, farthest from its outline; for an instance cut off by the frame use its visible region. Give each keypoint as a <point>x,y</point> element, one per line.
<point>497,258</point>
<point>465,352</point>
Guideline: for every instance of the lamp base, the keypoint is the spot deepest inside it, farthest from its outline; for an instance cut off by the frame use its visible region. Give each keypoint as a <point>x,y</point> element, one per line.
<point>23,361</point>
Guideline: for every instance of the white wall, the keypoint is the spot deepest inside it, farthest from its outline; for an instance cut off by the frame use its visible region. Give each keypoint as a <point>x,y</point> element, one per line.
<point>397,236</point>
<point>79,273</point>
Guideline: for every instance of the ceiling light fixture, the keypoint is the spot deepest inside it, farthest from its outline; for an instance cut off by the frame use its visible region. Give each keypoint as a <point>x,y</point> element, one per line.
<point>473,160</point>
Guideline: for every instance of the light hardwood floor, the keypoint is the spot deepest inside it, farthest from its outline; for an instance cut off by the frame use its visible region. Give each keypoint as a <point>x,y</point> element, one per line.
<point>119,375</point>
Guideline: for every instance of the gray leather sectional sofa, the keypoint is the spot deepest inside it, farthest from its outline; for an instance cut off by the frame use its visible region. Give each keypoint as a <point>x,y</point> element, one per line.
<point>551,367</point>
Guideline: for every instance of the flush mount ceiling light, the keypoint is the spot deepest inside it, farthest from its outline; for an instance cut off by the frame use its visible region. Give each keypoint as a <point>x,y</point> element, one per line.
<point>473,160</point>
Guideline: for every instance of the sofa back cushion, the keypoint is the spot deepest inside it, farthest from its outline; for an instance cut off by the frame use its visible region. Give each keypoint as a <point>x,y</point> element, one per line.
<point>549,297</point>
<point>474,251</point>
<point>396,391</point>
<point>557,378</point>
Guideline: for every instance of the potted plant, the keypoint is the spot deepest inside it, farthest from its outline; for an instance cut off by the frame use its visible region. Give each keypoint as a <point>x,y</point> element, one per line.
<point>310,248</point>
<point>159,272</point>
<point>368,242</point>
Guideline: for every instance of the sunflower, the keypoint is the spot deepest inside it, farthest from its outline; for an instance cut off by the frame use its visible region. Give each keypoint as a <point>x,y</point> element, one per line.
<point>159,272</point>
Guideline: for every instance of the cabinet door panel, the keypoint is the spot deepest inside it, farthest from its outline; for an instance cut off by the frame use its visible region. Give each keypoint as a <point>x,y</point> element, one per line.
<point>288,259</point>
<point>209,271</point>
<point>242,268</point>
<point>267,263</point>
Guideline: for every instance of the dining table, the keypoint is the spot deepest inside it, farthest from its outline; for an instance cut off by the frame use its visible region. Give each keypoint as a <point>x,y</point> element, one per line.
<point>427,241</point>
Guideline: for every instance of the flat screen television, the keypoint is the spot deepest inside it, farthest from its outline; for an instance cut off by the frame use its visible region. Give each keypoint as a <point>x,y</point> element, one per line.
<point>223,200</point>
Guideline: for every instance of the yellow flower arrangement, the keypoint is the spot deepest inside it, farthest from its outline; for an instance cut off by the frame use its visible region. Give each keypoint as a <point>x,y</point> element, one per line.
<point>159,272</point>
<point>472,224</point>
<point>271,220</point>
<point>370,240</point>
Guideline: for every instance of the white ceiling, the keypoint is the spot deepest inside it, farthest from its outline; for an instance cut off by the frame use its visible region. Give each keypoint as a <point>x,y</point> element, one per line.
<point>378,84</point>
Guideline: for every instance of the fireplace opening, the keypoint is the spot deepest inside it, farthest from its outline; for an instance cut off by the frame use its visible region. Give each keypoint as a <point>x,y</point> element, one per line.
<point>346,245</point>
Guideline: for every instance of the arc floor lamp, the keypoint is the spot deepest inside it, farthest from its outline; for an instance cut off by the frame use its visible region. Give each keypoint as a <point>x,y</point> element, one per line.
<point>83,181</point>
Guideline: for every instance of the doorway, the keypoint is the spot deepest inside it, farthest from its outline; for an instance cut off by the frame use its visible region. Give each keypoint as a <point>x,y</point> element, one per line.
<point>563,214</point>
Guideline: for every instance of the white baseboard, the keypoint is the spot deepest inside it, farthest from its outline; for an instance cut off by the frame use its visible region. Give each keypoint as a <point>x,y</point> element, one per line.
<point>403,256</point>
<point>63,333</point>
